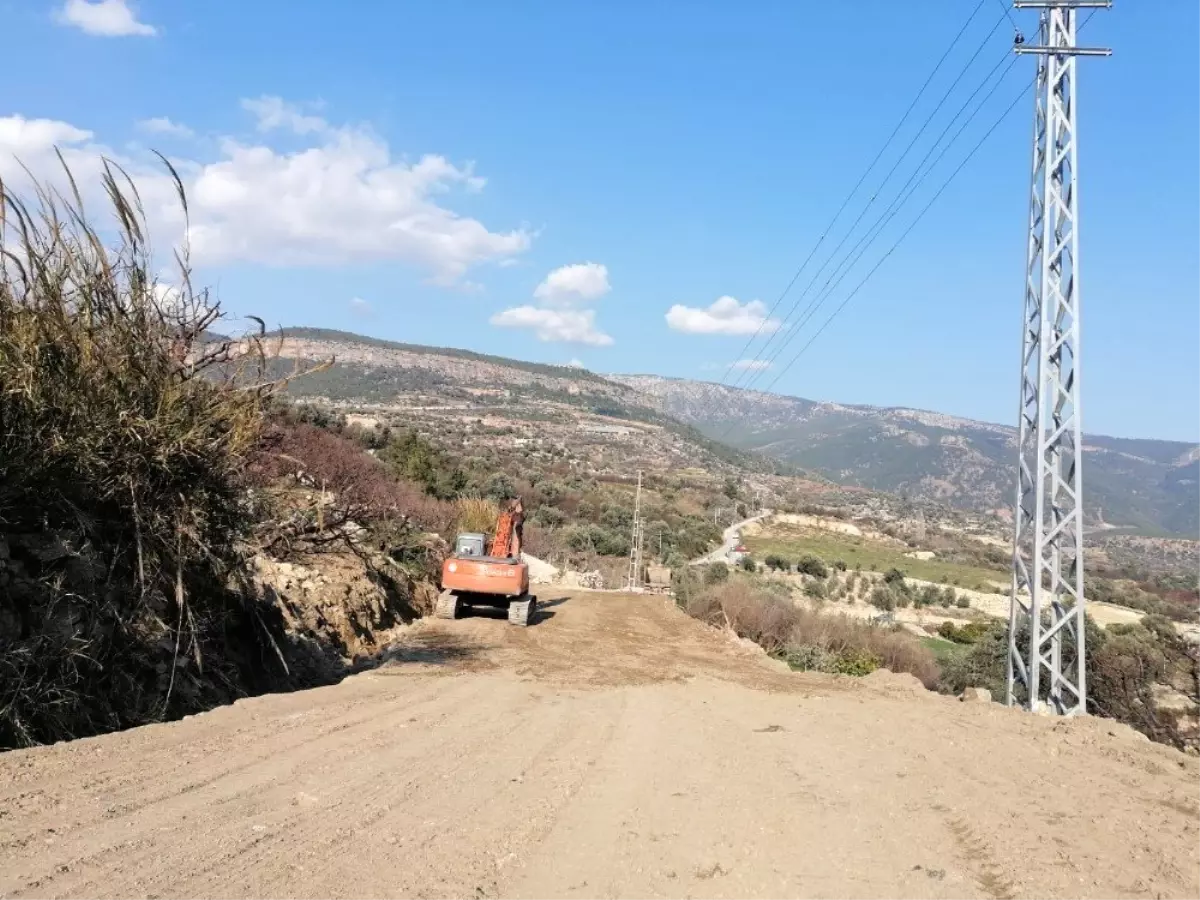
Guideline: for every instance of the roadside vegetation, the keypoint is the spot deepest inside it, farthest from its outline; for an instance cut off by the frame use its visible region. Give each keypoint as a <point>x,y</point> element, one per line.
<point>122,466</point>
<point>805,639</point>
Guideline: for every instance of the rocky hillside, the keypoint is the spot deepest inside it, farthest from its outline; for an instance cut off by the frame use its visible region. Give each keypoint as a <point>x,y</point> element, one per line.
<point>1150,485</point>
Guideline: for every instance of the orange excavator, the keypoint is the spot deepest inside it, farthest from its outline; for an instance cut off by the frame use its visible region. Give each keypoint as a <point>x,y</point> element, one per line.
<point>496,578</point>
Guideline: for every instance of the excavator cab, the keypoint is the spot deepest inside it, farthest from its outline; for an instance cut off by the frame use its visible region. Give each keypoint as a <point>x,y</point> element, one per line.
<point>473,576</point>
<point>471,544</point>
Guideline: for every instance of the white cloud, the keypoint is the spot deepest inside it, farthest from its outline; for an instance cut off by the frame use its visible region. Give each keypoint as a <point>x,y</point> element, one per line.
<point>568,285</point>
<point>273,112</point>
<point>360,306</point>
<point>576,326</point>
<point>20,136</point>
<point>558,316</point>
<point>751,365</point>
<point>725,316</point>
<point>163,125</point>
<point>103,18</point>
<point>343,198</point>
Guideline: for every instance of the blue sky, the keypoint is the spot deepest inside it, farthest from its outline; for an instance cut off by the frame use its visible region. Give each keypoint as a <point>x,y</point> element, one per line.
<point>419,171</point>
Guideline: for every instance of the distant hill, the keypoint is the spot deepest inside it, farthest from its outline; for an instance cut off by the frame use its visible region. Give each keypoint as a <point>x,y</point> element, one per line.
<point>1149,485</point>
<point>373,371</point>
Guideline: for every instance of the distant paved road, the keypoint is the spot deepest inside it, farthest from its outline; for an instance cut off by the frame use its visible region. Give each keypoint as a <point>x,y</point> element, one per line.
<point>732,536</point>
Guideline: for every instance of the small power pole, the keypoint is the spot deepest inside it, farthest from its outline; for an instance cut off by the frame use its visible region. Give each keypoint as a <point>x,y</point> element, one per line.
<point>1047,574</point>
<point>633,579</point>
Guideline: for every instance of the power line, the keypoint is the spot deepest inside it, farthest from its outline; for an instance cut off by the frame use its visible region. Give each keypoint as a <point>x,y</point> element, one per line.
<point>896,165</point>
<point>828,289</point>
<point>920,215</point>
<point>902,197</point>
<point>900,240</point>
<point>1008,12</point>
<point>854,190</point>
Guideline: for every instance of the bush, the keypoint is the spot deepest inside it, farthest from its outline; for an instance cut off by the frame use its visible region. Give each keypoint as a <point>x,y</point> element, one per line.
<point>812,565</point>
<point>929,595</point>
<point>716,573</point>
<point>856,661</point>
<point>808,639</point>
<point>597,539</point>
<point>413,458</point>
<point>882,598</point>
<point>748,564</point>
<point>549,516</point>
<point>840,565</point>
<point>893,577</point>
<point>816,590</point>
<point>123,447</point>
<point>809,658</point>
<point>776,562</point>
<point>970,633</point>
<point>963,602</point>
<point>475,514</point>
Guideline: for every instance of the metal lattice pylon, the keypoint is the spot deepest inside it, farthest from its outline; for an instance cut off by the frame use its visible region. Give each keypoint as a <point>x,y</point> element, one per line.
<point>633,577</point>
<point>1046,640</point>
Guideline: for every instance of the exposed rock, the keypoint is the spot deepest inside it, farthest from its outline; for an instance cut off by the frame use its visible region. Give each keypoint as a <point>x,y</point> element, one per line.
<point>976,695</point>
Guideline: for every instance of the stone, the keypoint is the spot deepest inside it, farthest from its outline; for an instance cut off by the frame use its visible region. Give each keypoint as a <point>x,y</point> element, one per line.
<point>976,695</point>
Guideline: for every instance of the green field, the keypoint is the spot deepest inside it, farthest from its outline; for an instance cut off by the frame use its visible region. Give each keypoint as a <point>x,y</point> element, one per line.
<point>944,650</point>
<point>792,542</point>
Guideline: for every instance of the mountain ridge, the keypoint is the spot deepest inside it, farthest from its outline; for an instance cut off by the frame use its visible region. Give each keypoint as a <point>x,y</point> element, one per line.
<point>1144,484</point>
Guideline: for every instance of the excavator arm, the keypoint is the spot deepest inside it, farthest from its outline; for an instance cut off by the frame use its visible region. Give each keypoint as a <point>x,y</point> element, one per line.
<point>502,540</point>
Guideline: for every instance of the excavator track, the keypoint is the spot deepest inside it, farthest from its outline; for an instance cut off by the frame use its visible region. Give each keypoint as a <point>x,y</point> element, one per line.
<point>448,606</point>
<point>520,612</point>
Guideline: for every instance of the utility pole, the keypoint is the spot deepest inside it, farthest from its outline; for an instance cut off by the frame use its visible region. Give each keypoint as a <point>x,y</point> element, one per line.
<point>633,579</point>
<point>1047,576</point>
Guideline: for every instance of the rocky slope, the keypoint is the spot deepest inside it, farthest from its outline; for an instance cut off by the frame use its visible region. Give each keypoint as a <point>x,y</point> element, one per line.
<point>1144,484</point>
<point>1147,485</point>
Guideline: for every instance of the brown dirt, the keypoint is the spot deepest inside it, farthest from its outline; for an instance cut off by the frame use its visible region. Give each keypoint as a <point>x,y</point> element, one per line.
<point>616,748</point>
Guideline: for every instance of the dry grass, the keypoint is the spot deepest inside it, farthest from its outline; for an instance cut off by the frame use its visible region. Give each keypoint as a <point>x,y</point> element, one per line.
<point>122,462</point>
<point>476,514</point>
<point>807,638</point>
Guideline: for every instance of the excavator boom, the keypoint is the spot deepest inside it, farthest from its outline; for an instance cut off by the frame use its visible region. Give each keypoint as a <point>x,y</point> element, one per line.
<point>502,540</point>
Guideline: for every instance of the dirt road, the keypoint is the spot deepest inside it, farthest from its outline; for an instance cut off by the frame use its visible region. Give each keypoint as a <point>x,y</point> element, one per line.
<point>615,749</point>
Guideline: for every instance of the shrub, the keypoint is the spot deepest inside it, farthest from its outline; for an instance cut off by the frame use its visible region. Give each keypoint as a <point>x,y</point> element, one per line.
<point>893,577</point>
<point>963,602</point>
<point>499,486</point>
<point>970,633</point>
<point>882,598</point>
<point>812,565</point>
<point>476,514</point>
<point>840,565</point>
<point>125,434</point>
<point>777,562</point>
<point>816,590</point>
<point>548,515</point>
<point>808,639</point>
<point>716,573</point>
<point>596,538</point>
<point>929,595</point>
<point>856,661</point>
<point>748,564</point>
<point>809,658</point>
